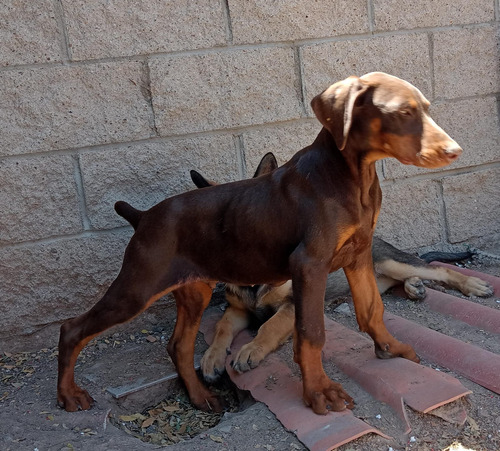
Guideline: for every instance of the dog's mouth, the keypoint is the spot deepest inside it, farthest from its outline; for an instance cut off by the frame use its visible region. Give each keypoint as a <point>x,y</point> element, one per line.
<point>433,160</point>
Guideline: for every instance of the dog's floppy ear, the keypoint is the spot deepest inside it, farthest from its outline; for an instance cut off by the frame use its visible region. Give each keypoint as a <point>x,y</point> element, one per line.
<point>334,107</point>
<point>266,165</point>
<point>199,180</point>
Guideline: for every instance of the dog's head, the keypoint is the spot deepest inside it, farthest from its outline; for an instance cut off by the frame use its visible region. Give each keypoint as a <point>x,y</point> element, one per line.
<point>266,165</point>
<point>385,117</point>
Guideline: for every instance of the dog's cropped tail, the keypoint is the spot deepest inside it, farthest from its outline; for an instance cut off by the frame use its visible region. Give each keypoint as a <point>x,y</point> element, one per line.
<point>129,213</point>
<point>199,180</point>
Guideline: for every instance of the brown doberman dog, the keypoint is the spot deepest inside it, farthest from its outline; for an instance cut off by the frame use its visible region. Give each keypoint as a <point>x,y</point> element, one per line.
<point>272,307</point>
<point>311,216</point>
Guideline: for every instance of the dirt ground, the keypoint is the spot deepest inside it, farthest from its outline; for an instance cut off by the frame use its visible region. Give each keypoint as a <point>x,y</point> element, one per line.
<point>160,415</point>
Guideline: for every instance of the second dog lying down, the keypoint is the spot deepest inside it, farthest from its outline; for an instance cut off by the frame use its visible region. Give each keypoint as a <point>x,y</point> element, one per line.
<point>392,266</point>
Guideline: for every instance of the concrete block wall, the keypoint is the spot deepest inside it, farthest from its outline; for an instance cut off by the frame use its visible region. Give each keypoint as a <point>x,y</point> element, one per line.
<point>102,101</point>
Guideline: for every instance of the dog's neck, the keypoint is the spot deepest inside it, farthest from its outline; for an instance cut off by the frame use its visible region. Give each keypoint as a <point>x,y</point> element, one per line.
<point>361,165</point>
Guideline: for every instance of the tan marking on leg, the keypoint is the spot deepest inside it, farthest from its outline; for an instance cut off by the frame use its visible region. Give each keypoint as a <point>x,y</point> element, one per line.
<point>370,311</point>
<point>466,284</point>
<point>271,334</point>
<point>232,322</point>
<point>191,300</point>
<point>320,393</point>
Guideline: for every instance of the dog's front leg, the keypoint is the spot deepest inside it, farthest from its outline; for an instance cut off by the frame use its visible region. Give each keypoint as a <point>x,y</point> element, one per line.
<point>370,309</point>
<point>309,284</point>
<point>213,363</point>
<point>275,331</point>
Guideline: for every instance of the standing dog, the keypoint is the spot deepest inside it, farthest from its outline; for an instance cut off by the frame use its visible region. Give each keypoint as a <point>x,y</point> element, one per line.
<point>273,306</point>
<point>311,216</point>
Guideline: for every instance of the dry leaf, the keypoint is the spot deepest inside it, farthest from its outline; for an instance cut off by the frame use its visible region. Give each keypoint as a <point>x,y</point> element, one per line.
<point>171,408</point>
<point>135,416</point>
<point>182,429</point>
<point>148,422</point>
<point>214,438</point>
<point>473,425</point>
<point>127,417</point>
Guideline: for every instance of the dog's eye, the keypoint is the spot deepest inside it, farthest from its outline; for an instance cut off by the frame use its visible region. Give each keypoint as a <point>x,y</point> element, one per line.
<point>406,112</point>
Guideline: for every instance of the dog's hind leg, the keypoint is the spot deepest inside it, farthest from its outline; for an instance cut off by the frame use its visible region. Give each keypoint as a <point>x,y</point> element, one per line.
<point>412,274</point>
<point>413,286</point>
<point>123,301</point>
<point>191,300</point>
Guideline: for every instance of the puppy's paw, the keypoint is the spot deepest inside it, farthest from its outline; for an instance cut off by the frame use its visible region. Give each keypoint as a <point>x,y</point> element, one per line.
<point>249,357</point>
<point>476,287</point>
<point>415,288</point>
<point>74,399</point>
<point>393,349</point>
<point>207,402</point>
<point>331,397</point>
<point>213,363</point>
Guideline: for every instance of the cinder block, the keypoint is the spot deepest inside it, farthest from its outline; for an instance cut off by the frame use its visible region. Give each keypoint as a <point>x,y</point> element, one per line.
<point>411,215</point>
<point>51,108</point>
<point>282,140</point>
<point>480,139</point>
<point>99,29</point>
<point>472,204</point>
<point>224,90</point>
<point>145,174</point>
<point>38,198</point>
<point>466,62</point>
<point>45,283</point>
<point>408,14</point>
<point>405,56</point>
<point>283,20</point>
<point>30,33</point>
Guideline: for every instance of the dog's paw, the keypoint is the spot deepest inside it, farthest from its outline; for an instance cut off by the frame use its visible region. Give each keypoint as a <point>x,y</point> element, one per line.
<point>395,349</point>
<point>249,356</point>
<point>331,397</point>
<point>208,402</point>
<point>74,399</point>
<point>415,288</point>
<point>476,287</point>
<point>213,363</point>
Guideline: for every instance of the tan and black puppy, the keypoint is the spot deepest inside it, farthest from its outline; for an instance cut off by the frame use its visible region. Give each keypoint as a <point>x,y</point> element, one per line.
<point>273,306</point>
<point>311,216</point>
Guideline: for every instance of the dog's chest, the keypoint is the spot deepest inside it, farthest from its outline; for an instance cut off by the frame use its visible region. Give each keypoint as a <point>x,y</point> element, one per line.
<point>357,243</point>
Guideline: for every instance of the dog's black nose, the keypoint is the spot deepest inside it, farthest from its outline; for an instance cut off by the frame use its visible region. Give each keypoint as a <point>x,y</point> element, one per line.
<point>453,151</point>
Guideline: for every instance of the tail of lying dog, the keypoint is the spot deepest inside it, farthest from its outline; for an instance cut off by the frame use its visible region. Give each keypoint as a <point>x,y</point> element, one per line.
<point>129,213</point>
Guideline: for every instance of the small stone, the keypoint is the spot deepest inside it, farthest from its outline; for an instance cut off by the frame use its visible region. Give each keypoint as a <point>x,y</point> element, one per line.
<point>344,308</point>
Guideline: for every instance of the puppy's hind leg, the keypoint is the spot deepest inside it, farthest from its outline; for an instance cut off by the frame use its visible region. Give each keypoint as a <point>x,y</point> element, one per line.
<point>191,300</point>
<point>390,272</point>
<point>123,301</point>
